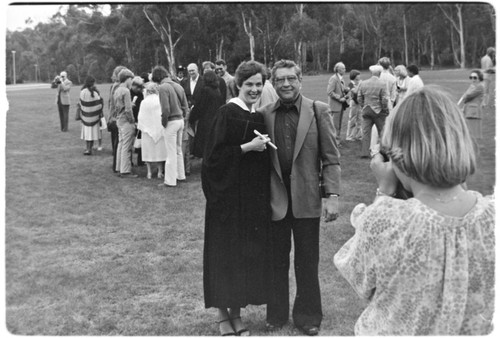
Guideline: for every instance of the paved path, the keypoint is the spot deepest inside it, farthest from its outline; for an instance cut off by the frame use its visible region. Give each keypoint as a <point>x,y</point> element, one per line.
<point>27,86</point>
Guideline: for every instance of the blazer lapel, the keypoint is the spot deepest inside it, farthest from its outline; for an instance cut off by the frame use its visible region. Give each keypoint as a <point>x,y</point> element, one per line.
<point>270,121</point>
<point>305,119</point>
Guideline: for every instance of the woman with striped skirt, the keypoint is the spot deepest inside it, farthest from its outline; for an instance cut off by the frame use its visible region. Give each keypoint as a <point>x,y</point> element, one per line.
<point>91,113</point>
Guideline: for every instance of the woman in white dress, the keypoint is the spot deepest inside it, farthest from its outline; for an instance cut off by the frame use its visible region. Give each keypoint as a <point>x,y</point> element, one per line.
<point>402,80</point>
<point>149,123</point>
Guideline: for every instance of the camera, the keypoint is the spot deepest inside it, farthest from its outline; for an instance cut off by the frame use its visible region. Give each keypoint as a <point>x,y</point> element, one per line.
<point>401,192</point>
<point>55,82</point>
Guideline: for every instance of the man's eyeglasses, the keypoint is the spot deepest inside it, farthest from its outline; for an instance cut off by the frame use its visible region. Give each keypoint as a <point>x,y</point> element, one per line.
<point>291,80</point>
<point>473,77</point>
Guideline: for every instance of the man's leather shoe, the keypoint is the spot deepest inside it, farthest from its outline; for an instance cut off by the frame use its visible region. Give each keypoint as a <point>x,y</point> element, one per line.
<point>309,330</point>
<point>270,327</point>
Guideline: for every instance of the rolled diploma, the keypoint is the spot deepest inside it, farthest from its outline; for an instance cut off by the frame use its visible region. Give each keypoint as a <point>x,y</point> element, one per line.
<point>263,137</point>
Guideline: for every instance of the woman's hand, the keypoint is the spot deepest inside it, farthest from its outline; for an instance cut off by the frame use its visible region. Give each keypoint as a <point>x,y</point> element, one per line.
<point>257,144</point>
<point>384,173</point>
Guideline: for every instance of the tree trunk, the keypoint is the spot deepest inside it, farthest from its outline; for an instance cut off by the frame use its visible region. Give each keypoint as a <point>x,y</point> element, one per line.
<point>298,52</point>
<point>171,55</point>
<point>328,54</point>
<point>362,48</point>
<point>304,56</point>
<point>318,58</point>
<point>405,38</point>
<point>460,30</point>
<point>248,31</point>
<point>219,48</point>
<point>461,35</point>
<point>166,38</point>
<point>432,52</point>
<point>453,49</point>
<point>127,51</point>
<point>379,51</point>
<point>342,39</point>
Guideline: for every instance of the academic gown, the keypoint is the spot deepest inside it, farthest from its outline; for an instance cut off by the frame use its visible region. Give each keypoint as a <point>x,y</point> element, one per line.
<point>237,220</point>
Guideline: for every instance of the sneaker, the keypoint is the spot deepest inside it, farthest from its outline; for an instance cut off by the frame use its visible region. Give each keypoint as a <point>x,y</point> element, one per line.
<point>99,148</point>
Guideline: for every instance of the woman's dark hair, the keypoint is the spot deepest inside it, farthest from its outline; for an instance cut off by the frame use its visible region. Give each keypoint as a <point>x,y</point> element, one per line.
<point>210,79</point>
<point>353,74</point>
<point>90,85</point>
<point>479,74</point>
<point>158,74</point>
<point>248,69</point>
<point>413,69</point>
<point>145,77</point>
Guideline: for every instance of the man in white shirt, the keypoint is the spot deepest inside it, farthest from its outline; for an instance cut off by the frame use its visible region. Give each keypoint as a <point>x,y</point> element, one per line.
<point>415,82</point>
<point>194,85</point>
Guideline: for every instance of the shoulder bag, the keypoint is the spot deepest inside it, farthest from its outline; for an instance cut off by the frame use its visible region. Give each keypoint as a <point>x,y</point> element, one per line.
<point>322,191</point>
<point>78,114</point>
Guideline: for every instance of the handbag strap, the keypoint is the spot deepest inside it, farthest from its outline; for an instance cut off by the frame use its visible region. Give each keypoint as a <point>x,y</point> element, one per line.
<point>317,125</point>
<point>319,134</point>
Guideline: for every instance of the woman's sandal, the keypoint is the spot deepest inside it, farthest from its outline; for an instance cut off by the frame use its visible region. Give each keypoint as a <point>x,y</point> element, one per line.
<point>229,333</point>
<point>242,332</point>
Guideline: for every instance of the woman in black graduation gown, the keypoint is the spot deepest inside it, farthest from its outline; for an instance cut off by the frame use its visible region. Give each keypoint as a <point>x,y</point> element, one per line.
<point>235,181</point>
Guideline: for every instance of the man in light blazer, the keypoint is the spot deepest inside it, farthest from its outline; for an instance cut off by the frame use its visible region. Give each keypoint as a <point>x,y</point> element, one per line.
<point>373,99</point>
<point>337,97</point>
<point>304,134</point>
<point>62,99</point>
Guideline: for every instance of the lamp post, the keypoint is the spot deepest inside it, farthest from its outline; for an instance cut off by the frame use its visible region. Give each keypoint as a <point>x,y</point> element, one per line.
<point>14,66</point>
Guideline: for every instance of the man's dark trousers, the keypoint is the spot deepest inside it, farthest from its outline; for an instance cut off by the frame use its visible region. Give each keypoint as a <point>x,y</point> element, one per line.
<point>371,118</point>
<point>63,115</point>
<point>114,142</point>
<point>307,305</point>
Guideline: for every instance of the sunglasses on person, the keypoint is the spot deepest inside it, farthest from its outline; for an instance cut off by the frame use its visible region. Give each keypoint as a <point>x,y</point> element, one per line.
<point>473,77</point>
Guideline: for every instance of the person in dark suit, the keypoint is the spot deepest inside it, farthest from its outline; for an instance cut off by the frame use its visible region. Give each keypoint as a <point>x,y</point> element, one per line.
<point>304,134</point>
<point>192,84</point>
<point>192,87</point>
<point>137,96</point>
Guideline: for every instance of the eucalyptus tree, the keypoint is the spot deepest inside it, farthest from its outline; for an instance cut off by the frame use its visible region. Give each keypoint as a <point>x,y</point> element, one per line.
<point>303,29</point>
<point>453,12</point>
<point>170,21</point>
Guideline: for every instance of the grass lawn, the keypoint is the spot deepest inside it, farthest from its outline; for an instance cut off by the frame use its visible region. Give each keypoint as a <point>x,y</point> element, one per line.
<point>88,253</point>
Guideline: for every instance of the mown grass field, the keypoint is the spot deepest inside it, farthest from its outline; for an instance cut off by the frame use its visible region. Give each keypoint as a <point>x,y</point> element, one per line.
<point>89,253</point>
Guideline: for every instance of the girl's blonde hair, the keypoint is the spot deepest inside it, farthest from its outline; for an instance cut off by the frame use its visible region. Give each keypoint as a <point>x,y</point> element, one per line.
<point>427,139</point>
<point>151,88</point>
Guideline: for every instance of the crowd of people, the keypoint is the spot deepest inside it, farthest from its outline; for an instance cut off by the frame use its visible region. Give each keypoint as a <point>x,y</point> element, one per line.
<point>423,259</point>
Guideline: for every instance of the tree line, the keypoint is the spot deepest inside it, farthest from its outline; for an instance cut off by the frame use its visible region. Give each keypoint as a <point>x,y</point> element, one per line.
<point>83,41</point>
